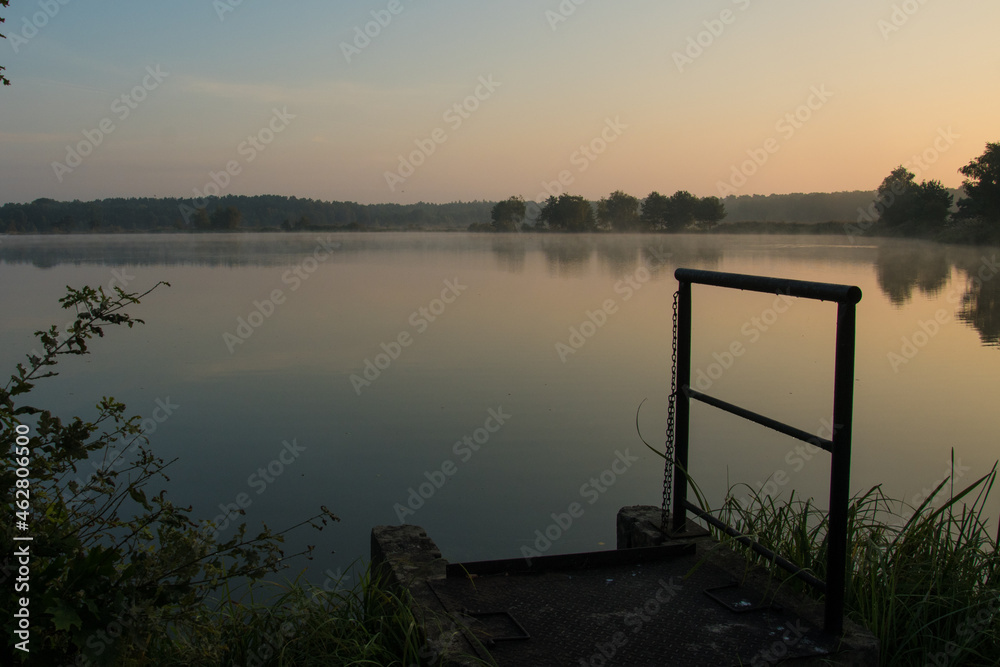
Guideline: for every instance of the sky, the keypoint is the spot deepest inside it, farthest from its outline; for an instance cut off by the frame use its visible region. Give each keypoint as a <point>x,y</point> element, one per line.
<point>446,100</point>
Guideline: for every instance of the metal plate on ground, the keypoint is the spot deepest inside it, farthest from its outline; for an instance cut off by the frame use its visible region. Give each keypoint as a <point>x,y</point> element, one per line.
<point>738,599</point>
<point>646,613</point>
<point>496,626</point>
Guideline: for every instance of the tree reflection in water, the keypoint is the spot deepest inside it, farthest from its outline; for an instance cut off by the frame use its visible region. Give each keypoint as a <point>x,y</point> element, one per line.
<point>902,266</point>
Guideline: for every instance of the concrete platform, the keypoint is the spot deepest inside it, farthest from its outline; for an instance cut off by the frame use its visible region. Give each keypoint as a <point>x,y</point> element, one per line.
<point>655,600</point>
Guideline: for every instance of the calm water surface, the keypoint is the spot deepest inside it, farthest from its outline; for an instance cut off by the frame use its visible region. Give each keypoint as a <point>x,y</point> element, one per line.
<point>476,385</point>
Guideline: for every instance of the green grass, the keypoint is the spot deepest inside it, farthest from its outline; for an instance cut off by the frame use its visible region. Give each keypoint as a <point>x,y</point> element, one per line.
<point>924,580</point>
<point>293,623</point>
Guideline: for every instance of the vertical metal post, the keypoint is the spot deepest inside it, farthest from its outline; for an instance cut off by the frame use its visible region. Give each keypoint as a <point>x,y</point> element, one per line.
<point>840,469</point>
<point>682,418</point>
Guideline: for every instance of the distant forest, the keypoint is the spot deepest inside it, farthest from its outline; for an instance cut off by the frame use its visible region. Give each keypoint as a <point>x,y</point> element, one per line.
<point>264,212</point>
<point>273,212</point>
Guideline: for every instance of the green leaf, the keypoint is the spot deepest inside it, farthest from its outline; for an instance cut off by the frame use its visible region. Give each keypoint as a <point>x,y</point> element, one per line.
<point>139,496</point>
<point>64,617</point>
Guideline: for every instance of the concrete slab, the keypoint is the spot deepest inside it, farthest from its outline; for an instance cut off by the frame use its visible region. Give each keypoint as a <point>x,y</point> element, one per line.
<point>657,600</point>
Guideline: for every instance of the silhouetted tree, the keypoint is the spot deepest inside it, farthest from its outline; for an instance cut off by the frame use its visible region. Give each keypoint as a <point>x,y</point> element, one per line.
<point>227,218</point>
<point>3,79</point>
<point>508,214</point>
<point>201,220</point>
<point>681,210</point>
<point>619,212</point>
<point>895,197</point>
<point>933,204</point>
<point>709,211</point>
<point>982,186</point>
<point>568,213</point>
<point>655,210</point>
<point>906,206</point>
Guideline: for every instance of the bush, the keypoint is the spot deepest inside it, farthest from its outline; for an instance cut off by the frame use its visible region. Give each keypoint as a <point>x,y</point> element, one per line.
<point>111,569</point>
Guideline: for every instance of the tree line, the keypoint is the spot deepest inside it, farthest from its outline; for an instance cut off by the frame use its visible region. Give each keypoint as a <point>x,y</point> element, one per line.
<point>903,207</point>
<point>900,206</point>
<point>618,212</point>
<point>271,212</point>
<point>258,213</point>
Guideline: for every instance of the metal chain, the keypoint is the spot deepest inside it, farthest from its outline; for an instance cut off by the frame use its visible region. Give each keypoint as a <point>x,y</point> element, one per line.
<point>668,455</point>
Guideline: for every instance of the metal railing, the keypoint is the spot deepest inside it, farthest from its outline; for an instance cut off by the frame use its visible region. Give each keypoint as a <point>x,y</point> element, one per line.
<point>839,445</point>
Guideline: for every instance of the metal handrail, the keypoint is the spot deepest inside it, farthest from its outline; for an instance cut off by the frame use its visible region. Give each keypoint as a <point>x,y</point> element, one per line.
<point>846,297</point>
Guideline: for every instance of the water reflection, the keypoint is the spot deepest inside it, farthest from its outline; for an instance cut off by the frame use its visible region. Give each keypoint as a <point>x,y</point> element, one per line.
<point>903,265</point>
<point>620,256</point>
<point>981,301</point>
<point>569,256</point>
<point>496,347</point>
<point>510,253</point>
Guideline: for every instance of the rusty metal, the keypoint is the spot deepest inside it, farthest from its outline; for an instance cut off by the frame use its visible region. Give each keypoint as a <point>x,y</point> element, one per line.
<point>668,449</point>
<point>774,424</point>
<point>682,418</point>
<point>759,548</point>
<point>738,599</point>
<point>797,288</point>
<point>846,297</point>
<point>649,613</point>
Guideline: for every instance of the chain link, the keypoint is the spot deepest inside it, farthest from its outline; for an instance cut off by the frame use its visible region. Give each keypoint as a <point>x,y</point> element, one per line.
<point>668,455</point>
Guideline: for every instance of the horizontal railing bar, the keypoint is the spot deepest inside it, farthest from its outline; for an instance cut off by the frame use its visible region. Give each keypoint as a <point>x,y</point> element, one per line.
<point>784,563</point>
<point>798,288</point>
<point>780,427</point>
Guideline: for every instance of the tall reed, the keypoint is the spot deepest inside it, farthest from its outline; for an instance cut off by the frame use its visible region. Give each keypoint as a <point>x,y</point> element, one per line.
<point>924,580</point>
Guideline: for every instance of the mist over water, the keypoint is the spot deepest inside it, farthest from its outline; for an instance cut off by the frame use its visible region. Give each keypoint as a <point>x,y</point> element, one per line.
<point>478,384</point>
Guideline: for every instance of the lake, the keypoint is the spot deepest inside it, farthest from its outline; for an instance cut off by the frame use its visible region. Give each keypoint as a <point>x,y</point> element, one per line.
<point>477,384</point>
